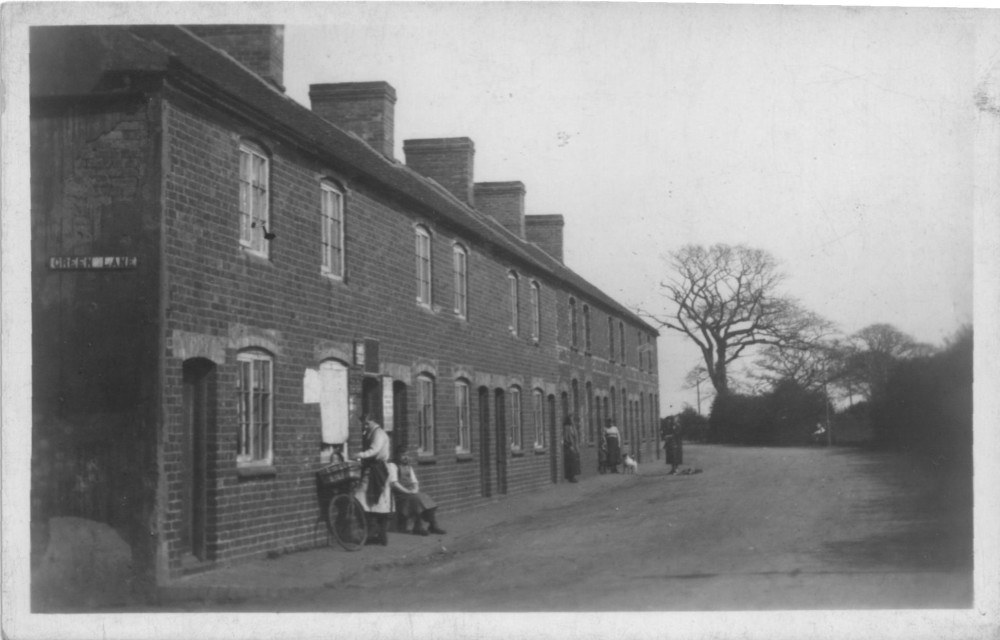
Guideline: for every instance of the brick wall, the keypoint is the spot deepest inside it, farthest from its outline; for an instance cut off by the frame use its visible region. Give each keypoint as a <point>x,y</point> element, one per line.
<point>290,305</point>
<point>95,187</point>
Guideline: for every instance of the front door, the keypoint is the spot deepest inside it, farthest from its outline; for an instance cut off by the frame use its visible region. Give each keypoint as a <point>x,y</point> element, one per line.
<point>554,444</point>
<point>196,407</point>
<point>371,399</point>
<point>485,463</point>
<point>501,439</point>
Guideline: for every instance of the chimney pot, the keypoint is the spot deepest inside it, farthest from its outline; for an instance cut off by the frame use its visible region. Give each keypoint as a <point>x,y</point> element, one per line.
<point>448,161</point>
<point>505,202</point>
<point>259,47</point>
<point>364,108</point>
<point>547,232</point>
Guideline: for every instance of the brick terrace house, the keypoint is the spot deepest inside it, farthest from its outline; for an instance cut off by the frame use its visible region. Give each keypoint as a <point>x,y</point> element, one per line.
<point>224,282</point>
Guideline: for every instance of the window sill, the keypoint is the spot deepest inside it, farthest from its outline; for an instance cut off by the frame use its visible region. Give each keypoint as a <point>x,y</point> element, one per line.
<point>257,258</point>
<point>426,458</point>
<point>539,451</point>
<point>463,456</point>
<point>516,453</point>
<point>328,276</point>
<point>256,471</point>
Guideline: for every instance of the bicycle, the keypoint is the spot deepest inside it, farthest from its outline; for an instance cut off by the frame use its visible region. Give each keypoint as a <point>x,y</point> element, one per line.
<point>345,518</point>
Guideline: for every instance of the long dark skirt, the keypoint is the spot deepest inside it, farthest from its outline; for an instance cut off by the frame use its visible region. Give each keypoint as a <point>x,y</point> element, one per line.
<point>571,462</point>
<point>675,451</point>
<point>614,452</point>
<point>413,505</point>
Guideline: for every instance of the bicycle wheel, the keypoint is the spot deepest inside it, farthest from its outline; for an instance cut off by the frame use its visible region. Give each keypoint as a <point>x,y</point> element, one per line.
<point>346,521</point>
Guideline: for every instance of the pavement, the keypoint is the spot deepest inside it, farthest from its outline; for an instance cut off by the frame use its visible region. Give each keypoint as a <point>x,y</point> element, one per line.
<point>326,566</point>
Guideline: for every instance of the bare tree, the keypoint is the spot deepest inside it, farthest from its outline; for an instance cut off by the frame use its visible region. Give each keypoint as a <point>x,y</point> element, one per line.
<point>694,379</point>
<point>868,357</point>
<point>810,367</point>
<point>726,300</point>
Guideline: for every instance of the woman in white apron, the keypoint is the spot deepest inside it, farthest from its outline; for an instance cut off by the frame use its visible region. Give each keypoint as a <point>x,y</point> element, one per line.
<point>375,490</point>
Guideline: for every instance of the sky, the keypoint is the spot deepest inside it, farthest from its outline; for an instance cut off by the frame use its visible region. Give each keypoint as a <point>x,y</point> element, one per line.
<point>839,139</point>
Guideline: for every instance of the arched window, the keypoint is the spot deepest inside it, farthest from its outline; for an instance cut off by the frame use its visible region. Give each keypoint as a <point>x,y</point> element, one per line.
<point>614,407</point>
<point>536,311</point>
<point>538,413</point>
<point>425,414</point>
<point>572,323</point>
<point>463,444</point>
<point>625,422</point>
<point>255,215</point>
<point>586,328</point>
<point>590,412</point>
<point>423,250</point>
<point>516,426</point>
<point>255,408</point>
<point>638,350</point>
<point>611,339</point>
<point>621,342</point>
<point>515,303</point>
<point>332,230</point>
<point>460,262</point>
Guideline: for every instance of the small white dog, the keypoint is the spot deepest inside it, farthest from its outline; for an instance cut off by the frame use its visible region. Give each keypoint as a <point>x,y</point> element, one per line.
<point>630,465</point>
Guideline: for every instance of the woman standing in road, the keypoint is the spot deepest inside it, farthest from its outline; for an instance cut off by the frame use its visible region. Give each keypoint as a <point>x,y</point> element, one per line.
<point>571,450</point>
<point>612,445</point>
<point>673,448</point>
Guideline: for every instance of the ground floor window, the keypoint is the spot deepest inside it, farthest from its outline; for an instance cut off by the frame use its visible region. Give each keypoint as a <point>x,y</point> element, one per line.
<point>425,414</point>
<point>538,411</point>
<point>255,407</point>
<point>462,443</point>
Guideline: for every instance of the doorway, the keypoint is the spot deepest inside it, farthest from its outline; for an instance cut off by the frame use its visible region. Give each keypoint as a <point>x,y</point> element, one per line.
<point>197,406</point>
<point>400,427</point>
<point>554,444</point>
<point>371,399</point>
<point>485,488</point>
<point>499,399</point>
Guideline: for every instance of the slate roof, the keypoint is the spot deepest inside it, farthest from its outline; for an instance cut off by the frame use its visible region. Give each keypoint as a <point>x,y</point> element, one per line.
<point>185,52</point>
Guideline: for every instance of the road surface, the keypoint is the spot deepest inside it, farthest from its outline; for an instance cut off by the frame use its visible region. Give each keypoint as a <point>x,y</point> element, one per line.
<point>758,528</point>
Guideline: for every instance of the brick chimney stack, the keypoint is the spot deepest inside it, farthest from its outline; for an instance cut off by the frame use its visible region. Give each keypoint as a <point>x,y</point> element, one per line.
<point>448,161</point>
<point>504,201</point>
<point>364,108</point>
<point>547,232</point>
<point>259,47</point>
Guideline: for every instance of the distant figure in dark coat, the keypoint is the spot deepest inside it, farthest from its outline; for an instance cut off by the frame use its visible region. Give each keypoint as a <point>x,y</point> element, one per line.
<point>612,445</point>
<point>673,447</point>
<point>571,450</point>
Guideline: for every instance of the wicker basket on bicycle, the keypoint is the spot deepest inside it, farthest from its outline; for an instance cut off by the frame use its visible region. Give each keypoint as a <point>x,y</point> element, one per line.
<point>339,473</point>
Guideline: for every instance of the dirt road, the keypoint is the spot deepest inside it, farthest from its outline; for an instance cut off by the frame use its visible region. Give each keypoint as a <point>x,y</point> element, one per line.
<point>789,528</point>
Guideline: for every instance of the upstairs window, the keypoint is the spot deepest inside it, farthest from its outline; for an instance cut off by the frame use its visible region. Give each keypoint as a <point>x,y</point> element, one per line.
<point>460,262</point>
<point>332,230</point>
<point>621,342</point>
<point>423,238</point>
<point>611,339</point>
<point>638,351</point>
<point>255,393</point>
<point>515,303</point>
<point>572,323</point>
<point>536,312</point>
<point>425,415</point>
<point>586,328</point>
<point>254,209</point>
